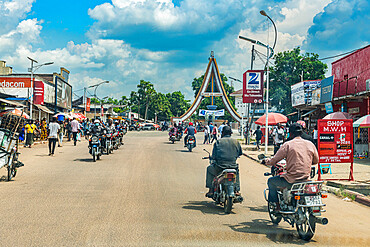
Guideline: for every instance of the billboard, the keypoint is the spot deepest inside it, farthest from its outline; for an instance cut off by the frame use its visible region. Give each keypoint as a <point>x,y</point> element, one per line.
<point>327,90</point>
<point>335,141</point>
<point>316,96</point>
<point>217,113</point>
<point>297,94</point>
<point>15,82</point>
<point>253,86</point>
<point>38,93</point>
<point>64,93</point>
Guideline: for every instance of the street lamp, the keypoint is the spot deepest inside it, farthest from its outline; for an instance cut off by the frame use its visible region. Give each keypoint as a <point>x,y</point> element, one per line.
<point>32,70</point>
<point>96,87</point>
<point>270,53</point>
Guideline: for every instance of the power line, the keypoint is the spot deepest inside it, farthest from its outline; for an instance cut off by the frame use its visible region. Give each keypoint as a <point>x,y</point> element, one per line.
<point>339,54</point>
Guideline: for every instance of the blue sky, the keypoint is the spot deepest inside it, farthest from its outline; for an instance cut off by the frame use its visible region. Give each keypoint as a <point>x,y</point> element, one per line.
<point>168,42</point>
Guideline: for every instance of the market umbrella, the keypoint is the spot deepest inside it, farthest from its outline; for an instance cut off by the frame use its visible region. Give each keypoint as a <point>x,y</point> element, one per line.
<point>78,115</point>
<point>274,119</point>
<point>338,115</point>
<point>363,122</point>
<point>17,112</point>
<point>62,114</point>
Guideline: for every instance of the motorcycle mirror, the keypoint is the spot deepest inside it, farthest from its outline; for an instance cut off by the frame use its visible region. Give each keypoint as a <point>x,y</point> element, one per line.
<point>206,151</point>
<point>261,156</point>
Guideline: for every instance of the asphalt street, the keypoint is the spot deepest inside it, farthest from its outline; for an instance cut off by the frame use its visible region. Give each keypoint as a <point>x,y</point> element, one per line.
<point>149,193</point>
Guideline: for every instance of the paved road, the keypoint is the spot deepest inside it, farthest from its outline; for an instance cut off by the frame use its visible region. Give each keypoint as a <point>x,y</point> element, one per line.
<point>148,193</point>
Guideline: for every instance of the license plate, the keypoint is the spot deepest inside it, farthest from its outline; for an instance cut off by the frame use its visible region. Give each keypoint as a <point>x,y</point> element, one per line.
<point>313,200</point>
<point>191,142</point>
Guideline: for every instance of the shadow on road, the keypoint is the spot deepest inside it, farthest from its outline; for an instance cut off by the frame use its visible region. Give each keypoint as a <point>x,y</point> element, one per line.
<point>84,160</point>
<point>205,207</point>
<point>4,179</point>
<point>272,232</point>
<point>262,209</point>
<point>184,151</point>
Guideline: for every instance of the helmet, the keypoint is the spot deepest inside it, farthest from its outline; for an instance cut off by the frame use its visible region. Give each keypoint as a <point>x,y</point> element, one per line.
<point>96,121</point>
<point>296,129</point>
<point>190,124</point>
<point>302,123</point>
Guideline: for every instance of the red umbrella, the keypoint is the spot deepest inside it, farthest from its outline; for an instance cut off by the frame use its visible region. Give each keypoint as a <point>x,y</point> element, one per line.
<point>274,119</point>
<point>338,115</point>
<point>17,112</point>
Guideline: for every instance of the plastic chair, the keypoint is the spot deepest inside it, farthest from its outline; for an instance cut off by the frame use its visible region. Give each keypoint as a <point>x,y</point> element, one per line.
<point>325,166</point>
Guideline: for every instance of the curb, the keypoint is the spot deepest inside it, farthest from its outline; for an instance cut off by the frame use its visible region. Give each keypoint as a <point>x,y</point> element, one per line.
<point>360,198</point>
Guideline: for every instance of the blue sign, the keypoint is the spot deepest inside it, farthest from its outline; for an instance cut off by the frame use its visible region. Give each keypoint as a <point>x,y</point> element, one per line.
<point>327,90</point>
<point>329,107</point>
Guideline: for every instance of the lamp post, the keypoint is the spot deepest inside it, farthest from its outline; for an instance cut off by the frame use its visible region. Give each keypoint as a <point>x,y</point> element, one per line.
<point>270,53</point>
<point>96,87</point>
<point>32,70</point>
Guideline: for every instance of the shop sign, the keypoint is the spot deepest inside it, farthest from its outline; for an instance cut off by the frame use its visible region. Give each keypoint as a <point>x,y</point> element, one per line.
<point>88,103</point>
<point>38,93</point>
<point>15,82</point>
<point>354,110</point>
<point>298,94</point>
<point>329,107</point>
<point>335,141</point>
<point>316,96</point>
<point>253,86</point>
<point>327,90</point>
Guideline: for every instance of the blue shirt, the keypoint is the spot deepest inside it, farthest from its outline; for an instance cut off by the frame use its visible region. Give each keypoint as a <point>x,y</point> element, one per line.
<point>211,128</point>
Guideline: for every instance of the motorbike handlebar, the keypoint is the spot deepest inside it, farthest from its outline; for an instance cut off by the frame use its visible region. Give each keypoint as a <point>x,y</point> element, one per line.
<point>205,158</point>
<point>267,174</point>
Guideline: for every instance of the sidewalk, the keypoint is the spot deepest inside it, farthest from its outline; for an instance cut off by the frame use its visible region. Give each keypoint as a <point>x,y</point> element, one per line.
<point>361,171</point>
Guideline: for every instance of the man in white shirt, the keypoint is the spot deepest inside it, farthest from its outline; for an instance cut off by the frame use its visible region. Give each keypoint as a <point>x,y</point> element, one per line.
<point>75,127</point>
<point>279,136</point>
<point>53,135</point>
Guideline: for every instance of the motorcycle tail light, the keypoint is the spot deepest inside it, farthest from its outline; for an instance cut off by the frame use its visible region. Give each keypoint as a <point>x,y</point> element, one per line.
<point>311,189</point>
<point>324,196</point>
<point>297,197</point>
<point>230,175</point>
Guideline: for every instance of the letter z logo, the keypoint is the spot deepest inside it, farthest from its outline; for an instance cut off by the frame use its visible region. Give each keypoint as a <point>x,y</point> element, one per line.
<point>253,81</point>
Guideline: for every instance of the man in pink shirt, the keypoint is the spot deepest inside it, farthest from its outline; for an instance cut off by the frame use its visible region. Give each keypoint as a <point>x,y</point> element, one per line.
<point>75,127</point>
<point>300,155</point>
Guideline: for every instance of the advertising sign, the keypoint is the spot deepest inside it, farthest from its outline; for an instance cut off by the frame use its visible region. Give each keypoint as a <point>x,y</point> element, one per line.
<point>102,111</point>
<point>327,90</point>
<point>64,94</point>
<point>38,93</point>
<point>218,113</point>
<point>88,103</point>
<point>316,96</point>
<point>15,82</point>
<point>253,86</point>
<point>335,140</point>
<point>298,94</point>
<point>309,87</point>
<point>329,107</point>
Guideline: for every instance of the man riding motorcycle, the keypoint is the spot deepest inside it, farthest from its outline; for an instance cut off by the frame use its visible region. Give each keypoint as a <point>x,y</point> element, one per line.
<point>300,155</point>
<point>224,155</point>
<point>190,131</point>
<point>96,128</point>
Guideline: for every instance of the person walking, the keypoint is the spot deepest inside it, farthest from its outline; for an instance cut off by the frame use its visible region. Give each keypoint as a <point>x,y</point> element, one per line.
<point>278,134</point>
<point>206,134</point>
<point>214,133</point>
<point>75,127</point>
<point>53,135</point>
<point>258,134</point>
<point>44,130</point>
<point>61,134</point>
<point>68,129</point>
<point>30,130</point>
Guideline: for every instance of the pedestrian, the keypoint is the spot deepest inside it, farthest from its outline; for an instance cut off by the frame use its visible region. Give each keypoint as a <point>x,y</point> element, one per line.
<point>75,126</point>
<point>53,135</point>
<point>30,130</point>
<point>43,130</point>
<point>61,134</point>
<point>221,127</point>
<point>315,135</point>
<point>206,134</point>
<point>68,129</point>
<point>278,135</point>
<point>258,134</point>
<point>214,133</point>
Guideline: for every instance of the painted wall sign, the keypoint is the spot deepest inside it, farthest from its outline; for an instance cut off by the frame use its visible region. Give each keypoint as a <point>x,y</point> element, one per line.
<point>15,82</point>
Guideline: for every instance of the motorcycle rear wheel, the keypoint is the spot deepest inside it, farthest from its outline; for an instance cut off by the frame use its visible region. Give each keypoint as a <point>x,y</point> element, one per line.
<point>307,229</point>
<point>190,148</point>
<point>93,155</point>
<point>275,219</point>
<point>228,205</point>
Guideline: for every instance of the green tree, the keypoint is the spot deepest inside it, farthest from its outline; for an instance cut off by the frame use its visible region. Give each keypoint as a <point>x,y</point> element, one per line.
<point>197,83</point>
<point>161,107</point>
<point>146,93</point>
<point>178,103</point>
<point>287,70</point>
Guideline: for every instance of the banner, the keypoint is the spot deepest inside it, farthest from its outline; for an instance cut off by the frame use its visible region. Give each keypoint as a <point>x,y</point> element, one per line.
<point>327,89</point>
<point>15,82</point>
<point>335,141</point>
<point>38,95</point>
<point>218,113</point>
<point>102,111</point>
<point>253,86</point>
<point>88,103</point>
<point>297,94</point>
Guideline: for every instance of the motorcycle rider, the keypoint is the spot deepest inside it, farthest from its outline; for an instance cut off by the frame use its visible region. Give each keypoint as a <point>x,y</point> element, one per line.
<point>224,155</point>
<point>190,131</point>
<point>179,130</point>
<point>96,128</point>
<point>300,155</point>
<point>173,130</point>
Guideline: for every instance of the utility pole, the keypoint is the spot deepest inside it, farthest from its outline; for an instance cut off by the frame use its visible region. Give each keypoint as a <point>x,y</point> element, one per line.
<point>249,121</point>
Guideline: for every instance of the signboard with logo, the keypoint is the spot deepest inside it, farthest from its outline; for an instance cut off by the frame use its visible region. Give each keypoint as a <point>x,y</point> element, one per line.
<point>64,93</point>
<point>298,94</point>
<point>218,113</point>
<point>88,103</point>
<point>253,86</point>
<point>327,90</point>
<point>38,93</point>
<point>335,141</point>
<point>15,82</point>
<point>329,107</point>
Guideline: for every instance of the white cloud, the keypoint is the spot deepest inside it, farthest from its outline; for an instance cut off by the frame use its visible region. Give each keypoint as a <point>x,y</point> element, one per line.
<point>11,12</point>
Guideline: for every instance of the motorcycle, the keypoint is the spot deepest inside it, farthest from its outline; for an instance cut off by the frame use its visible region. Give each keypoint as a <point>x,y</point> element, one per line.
<point>115,140</point>
<point>108,143</point>
<point>173,138</point>
<point>224,188</point>
<point>95,147</point>
<point>190,144</point>
<point>301,205</point>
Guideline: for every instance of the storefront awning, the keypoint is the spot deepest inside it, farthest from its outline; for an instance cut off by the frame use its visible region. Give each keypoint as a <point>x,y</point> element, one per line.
<point>310,112</point>
<point>9,102</point>
<point>44,109</point>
